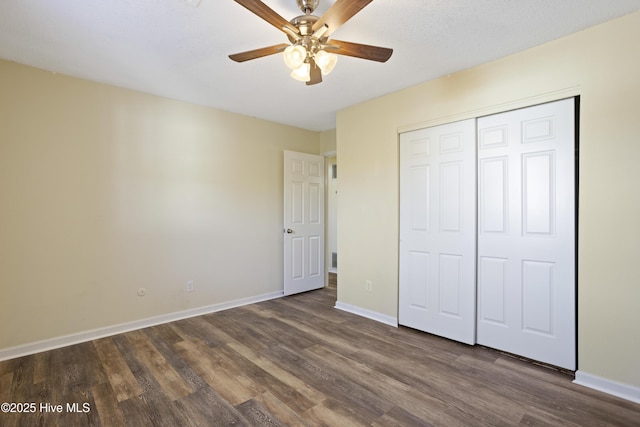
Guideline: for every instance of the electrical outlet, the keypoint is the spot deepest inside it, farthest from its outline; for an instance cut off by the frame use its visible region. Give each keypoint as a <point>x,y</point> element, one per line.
<point>368,285</point>
<point>190,286</point>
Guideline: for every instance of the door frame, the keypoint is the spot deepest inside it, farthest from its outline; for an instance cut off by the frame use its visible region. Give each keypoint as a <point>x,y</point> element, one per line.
<point>327,222</point>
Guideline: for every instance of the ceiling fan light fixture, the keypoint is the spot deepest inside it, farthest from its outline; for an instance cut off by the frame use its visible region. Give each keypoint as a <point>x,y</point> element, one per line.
<point>302,73</point>
<point>310,54</point>
<point>294,56</point>
<point>326,61</point>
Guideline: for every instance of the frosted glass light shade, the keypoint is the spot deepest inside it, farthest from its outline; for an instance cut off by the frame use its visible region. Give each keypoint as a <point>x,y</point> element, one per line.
<point>326,61</point>
<point>302,73</point>
<point>294,56</point>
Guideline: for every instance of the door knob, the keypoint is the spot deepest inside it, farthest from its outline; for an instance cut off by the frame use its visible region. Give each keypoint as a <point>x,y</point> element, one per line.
<point>289,231</point>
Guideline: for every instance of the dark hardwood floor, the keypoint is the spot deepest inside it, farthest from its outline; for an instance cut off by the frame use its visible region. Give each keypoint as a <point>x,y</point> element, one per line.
<point>294,361</point>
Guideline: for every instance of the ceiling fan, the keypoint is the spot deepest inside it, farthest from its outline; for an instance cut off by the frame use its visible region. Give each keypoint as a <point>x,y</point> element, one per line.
<point>311,54</point>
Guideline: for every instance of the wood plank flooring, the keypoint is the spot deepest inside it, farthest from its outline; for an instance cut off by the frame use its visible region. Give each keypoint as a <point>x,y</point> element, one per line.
<point>295,361</point>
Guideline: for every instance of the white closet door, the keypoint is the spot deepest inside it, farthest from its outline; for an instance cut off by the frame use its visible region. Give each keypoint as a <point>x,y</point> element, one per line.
<point>526,233</point>
<point>437,230</point>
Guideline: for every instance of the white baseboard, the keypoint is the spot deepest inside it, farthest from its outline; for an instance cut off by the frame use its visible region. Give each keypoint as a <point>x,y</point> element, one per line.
<point>382,318</point>
<point>613,388</point>
<point>84,336</point>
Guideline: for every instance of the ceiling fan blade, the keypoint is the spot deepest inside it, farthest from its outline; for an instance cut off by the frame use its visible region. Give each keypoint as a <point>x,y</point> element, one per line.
<point>268,14</point>
<point>315,73</point>
<point>258,53</point>
<point>339,13</point>
<point>364,51</point>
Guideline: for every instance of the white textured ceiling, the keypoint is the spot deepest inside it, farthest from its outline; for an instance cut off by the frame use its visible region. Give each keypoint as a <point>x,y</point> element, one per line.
<point>177,50</point>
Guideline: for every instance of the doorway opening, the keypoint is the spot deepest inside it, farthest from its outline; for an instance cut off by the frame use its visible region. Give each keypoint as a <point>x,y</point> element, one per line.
<point>332,222</point>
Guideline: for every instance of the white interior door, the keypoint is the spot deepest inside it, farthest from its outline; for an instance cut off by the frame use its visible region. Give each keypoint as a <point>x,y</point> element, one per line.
<point>437,230</point>
<point>303,222</point>
<point>526,233</point>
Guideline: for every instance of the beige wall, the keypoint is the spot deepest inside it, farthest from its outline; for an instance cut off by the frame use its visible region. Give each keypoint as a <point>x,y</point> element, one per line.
<point>328,141</point>
<point>105,190</point>
<point>603,66</point>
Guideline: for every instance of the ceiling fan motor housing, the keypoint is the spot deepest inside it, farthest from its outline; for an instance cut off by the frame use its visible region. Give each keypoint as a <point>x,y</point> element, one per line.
<point>306,38</point>
<point>304,24</point>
